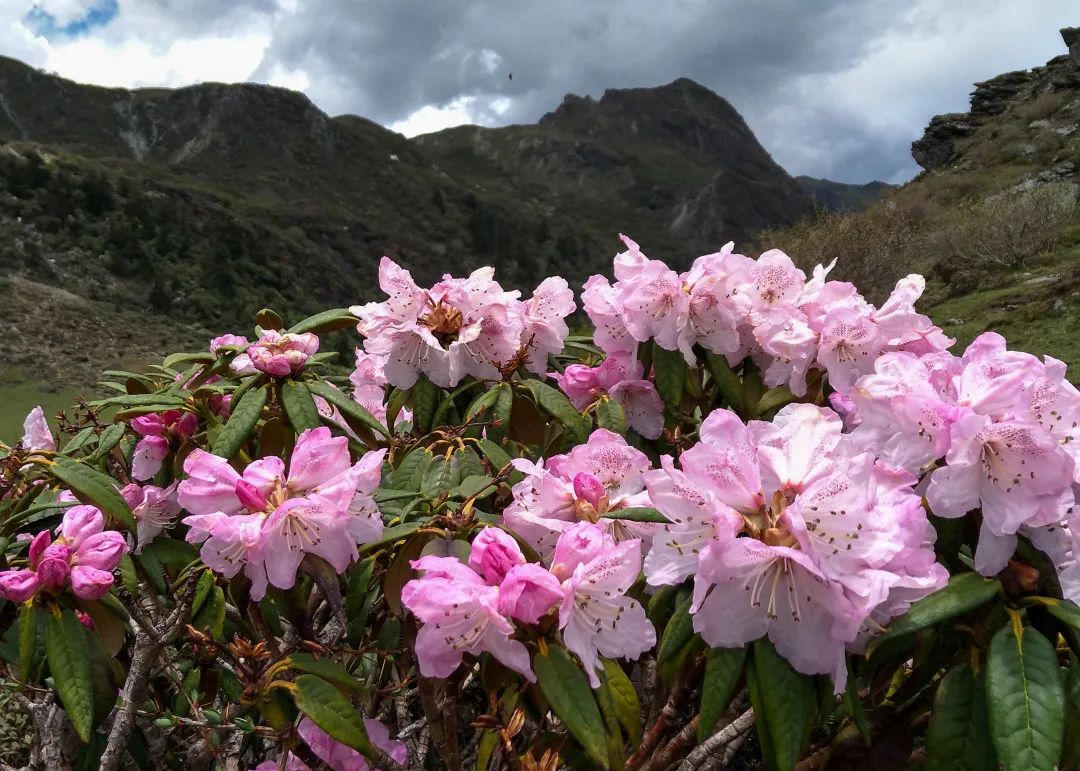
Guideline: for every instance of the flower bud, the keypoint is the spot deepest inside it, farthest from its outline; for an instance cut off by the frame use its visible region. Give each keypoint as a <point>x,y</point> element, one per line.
<point>85,619</point>
<point>493,554</point>
<point>54,568</point>
<point>81,522</point>
<point>588,488</point>
<point>19,585</point>
<point>250,496</point>
<point>102,551</point>
<point>89,583</point>
<point>37,547</point>
<point>528,593</point>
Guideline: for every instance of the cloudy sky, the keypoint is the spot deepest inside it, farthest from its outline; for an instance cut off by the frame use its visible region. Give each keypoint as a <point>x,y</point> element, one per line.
<point>832,88</point>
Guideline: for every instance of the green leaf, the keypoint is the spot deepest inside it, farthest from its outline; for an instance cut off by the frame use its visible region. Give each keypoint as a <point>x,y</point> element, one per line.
<point>637,514</point>
<point>485,402</point>
<point>359,599</point>
<point>347,406</point>
<point>610,415</point>
<point>327,321</point>
<point>472,485</point>
<point>567,690</point>
<point>424,398</point>
<point>496,455</point>
<point>728,385</point>
<point>299,406</point>
<point>442,475</point>
<point>963,593</point>
<point>392,534</point>
<point>80,440</point>
<point>242,421</point>
<point>624,698</point>
<point>159,401</point>
<point>69,664</point>
<point>32,633</point>
<point>677,634</point>
<point>327,669</point>
<point>784,702</point>
<point>331,712</point>
<point>268,318</point>
<point>109,439</point>
<point>669,368</point>
<point>211,616</point>
<point>556,404</point>
<point>1026,699</point>
<point>1065,611</point>
<point>172,360</point>
<point>1072,715</point>
<point>95,488</point>
<point>774,399</point>
<point>957,736</point>
<point>723,668</point>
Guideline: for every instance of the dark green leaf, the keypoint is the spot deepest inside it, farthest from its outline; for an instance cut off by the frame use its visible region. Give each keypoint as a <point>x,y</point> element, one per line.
<point>559,407</point>
<point>109,439</point>
<point>347,406</point>
<point>567,690</point>
<point>1072,715</point>
<point>1026,699</point>
<point>331,712</point>
<point>496,455</point>
<point>963,593</point>
<point>774,399</point>
<point>327,321</point>
<point>299,406</point>
<point>637,514</point>
<point>172,360</point>
<point>95,488</point>
<point>268,318</point>
<point>211,617</point>
<point>327,669</point>
<point>676,636</point>
<point>670,375</point>
<point>159,401</point>
<point>784,702</point>
<point>957,736</point>
<point>359,599</point>
<point>610,415</point>
<point>424,398</point>
<point>69,665</point>
<point>728,385</point>
<point>723,668</point>
<point>32,631</point>
<point>242,421</point>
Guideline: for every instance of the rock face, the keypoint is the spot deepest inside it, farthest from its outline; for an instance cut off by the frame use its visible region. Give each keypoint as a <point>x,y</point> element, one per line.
<point>1071,36</point>
<point>838,196</point>
<point>1001,100</point>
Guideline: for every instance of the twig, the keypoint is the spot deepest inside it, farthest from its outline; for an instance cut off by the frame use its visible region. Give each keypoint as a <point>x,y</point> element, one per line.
<point>446,742</point>
<point>735,730</point>
<point>674,748</point>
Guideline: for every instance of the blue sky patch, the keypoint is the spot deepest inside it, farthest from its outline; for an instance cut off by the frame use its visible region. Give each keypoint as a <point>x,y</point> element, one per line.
<point>44,23</point>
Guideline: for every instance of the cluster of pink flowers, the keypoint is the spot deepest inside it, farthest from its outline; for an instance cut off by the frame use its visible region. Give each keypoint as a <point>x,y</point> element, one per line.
<point>735,306</point>
<point>461,326</point>
<point>82,556</point>
<point>789,531</point>
<point>160,433</point>
<point>265,520</point>
<point>279,354</point>
<point>155,510</point>
<point>620,377</point>
<point>1004,423</point>
<point>601,476</point>
<point>338,756</point>
<point>472,608</point>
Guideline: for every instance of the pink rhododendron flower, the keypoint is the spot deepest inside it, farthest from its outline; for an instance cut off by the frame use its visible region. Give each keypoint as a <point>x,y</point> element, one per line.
<point>160,432</point>
<point>236,341</point>
<point>528,592</point>
<point>155,509</point>
<point>494,553</point>
<point>598,297</point>
<point>83,556</point>
<point>620,377</point>
<point>266,520</point>
<point>547,500</point>
<point>596,616</point>
<point>460,614</point>
<point>459,327</point>
<point>36,432</point>
<point>544,315</point>
<point>651,297</point>
<point>277,353</point>
<point>369,386</point>
<point>791,534</point>
<point>338,756</point>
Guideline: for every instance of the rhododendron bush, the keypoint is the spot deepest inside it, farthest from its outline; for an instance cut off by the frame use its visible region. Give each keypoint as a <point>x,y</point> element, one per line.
<point>752,518</point>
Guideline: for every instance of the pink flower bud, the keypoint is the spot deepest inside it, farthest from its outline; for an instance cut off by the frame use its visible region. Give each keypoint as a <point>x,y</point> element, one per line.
<point>579,384</point>
<point>250,496</point>
<point>19,585</point>
<point>37,547</point>
<point>81,522</point>
<point>493,554</point>
<point>528,593</point>
<point>588,488</point>
<point>186,425</point>
<point>148,425</point>
<point>89,583</point>
<point>54,568</point>
<point>85,619</point>
<point>234,340</point>
<point>102,551</point>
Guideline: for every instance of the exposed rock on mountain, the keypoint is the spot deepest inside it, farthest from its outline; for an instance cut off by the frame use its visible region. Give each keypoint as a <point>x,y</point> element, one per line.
<point>839,196</point>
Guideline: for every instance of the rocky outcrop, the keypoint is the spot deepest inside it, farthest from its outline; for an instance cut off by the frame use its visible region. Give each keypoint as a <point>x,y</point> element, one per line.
<point>994,96</point>
<point>1071,36</point>
<point>937,145</point>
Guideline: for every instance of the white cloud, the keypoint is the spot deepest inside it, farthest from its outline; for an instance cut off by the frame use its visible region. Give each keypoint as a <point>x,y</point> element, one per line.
<point>431,118</point>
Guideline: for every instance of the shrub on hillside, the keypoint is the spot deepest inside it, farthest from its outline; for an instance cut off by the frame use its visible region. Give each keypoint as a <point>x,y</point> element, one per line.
<point>751,503</point>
